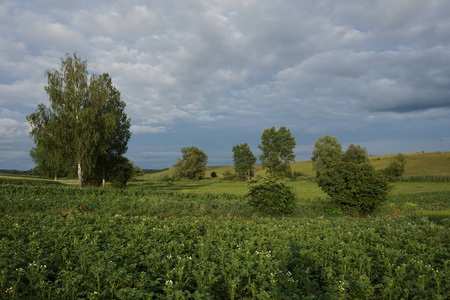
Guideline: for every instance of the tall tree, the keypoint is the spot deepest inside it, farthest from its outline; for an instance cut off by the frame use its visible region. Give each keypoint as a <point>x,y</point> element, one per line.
<point>355,154</point>
<point>277,149</point>
<point>111,114</point>
<point>48,153</point>
<point>244,161</point>
<point>193,163</point>
<point>83,115</point>
<point>326,150</point>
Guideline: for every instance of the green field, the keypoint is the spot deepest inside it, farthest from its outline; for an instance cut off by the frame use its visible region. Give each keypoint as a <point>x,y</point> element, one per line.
<point>160,239</point>
<point>434,163</point>
<point>200,240</point>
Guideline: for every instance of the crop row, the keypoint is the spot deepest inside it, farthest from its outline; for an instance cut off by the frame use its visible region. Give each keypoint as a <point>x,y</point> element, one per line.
<point>23,200</point>
<point>65,243</point>
<point>85,256</point>
<point>424,178</point>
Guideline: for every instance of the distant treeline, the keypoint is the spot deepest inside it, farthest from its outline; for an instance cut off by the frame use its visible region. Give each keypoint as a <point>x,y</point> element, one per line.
<point>153,171</point>
<point>16,172</point>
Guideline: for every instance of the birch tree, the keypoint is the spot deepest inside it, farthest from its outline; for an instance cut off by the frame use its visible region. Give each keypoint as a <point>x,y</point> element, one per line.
<point>244,161</point>
<point>81,120</point>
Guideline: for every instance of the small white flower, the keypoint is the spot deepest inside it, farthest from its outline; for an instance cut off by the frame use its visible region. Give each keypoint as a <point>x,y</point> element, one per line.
<point>169,282</point>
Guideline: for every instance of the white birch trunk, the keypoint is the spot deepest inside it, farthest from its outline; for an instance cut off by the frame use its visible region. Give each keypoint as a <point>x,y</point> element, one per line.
<point>80,176</point>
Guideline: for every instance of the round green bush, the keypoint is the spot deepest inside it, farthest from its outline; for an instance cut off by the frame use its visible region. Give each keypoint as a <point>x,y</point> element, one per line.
<point>356,188</point>
<point>271,196</point>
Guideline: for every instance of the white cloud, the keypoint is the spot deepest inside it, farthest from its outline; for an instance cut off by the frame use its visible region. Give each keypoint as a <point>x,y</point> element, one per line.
<point>146,129</point>
<point>313,65</point>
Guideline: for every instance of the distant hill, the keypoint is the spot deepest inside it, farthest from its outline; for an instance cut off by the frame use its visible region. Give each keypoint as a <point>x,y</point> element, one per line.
<point>435,163</point>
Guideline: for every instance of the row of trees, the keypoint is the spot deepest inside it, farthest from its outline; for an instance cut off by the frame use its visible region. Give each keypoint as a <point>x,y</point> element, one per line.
<point>277,148</point>
<point>84,128</point>
<point>347,177</point>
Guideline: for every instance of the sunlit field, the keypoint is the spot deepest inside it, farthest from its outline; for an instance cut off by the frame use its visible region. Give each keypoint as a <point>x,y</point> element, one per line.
<point>200,240</point>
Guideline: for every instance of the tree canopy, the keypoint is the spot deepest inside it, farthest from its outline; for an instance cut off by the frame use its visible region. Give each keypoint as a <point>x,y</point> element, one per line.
<point>326,150</point>
<point>396,168</point>
<point>348,177</point>
<point>193,163</point>
<point>85,122</point>
<point>277,148</point>
<point>244,161</point>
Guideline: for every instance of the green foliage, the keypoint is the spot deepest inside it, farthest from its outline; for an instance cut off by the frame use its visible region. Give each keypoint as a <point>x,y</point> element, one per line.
<point>348,178</point>
<point>137,171</point>
<point>355,154</point>
<point>271,196</point>
<point>277,150</point>
<point>244,161</point>
<point>423,178</point>
<point>228,175</point>
<point>122,172</point>
<point>192,165</point>
<point>356,188</point>
<point>27,182</point>
<point>67,243</point>
<point>213,174</point>
<point>84,125</point>
<point>396,168</point>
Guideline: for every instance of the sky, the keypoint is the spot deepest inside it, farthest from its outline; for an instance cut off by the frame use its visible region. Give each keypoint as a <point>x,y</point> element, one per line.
<point>215,74</point>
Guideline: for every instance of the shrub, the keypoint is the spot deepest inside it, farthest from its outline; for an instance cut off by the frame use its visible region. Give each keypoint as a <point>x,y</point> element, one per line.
<point>356,188</point>
<point>271,196</point>
<point>122,173</point>
<point>227,175</point>
<point>396,168</point>
<point>213,174</point>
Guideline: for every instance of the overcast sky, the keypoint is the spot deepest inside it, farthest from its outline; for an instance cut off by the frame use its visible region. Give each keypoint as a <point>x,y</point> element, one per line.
<point>214,74</point>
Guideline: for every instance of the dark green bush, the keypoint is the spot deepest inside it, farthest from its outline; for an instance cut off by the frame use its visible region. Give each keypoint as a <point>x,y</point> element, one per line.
<point>356,188</point>
<point>122,173</point>
<point>271,196</point>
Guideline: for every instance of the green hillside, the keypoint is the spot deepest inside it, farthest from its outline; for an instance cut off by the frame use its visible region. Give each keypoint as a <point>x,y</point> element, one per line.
<point>434,163</point>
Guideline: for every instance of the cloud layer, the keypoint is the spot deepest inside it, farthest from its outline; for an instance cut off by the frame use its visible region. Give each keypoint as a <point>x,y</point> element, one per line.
<point>217,73</point>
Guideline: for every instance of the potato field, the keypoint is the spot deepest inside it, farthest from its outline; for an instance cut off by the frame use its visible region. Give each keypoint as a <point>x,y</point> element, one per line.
<point>59,242</point>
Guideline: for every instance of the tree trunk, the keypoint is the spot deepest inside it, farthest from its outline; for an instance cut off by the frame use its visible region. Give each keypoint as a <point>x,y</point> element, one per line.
<point>104,182</point>
<point>80,176</point>
<point>56,177</point>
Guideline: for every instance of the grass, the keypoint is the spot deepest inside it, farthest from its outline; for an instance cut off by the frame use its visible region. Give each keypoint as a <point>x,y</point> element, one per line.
<point>303,189</point>
<point>434,163</point>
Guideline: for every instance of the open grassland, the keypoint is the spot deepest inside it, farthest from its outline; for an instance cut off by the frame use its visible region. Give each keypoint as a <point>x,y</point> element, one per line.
<point>435,163</point>
<point>202,241</point>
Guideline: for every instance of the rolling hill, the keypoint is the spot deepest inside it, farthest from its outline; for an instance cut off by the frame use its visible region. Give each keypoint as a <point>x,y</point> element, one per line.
<point>434,163</point>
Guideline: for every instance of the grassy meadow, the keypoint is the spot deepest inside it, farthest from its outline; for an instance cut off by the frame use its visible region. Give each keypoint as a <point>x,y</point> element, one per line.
<point>160,239</point>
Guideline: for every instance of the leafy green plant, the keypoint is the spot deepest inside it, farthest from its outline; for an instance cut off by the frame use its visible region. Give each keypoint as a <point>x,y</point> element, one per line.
<point>396,168</point>
<point>227,175</point>
<point>356,188</point>
<point>271,196</point>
